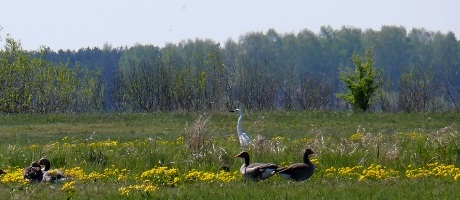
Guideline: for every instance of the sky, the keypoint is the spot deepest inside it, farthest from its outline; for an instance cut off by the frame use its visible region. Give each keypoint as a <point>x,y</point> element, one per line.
<point>62,24</point>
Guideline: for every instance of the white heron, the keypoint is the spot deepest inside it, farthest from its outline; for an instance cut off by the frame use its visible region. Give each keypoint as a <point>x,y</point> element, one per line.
<point>244,139</point>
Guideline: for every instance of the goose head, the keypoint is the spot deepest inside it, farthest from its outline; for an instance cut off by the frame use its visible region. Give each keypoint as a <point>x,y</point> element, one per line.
<point>306,154</point>
<point>244,155</point>
<point>46,163</point>
<point>33,172</point>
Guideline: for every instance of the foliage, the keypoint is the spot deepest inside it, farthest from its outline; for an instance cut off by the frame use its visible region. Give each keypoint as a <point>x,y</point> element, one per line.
<point>34,85</point>
<point>417,92</point>
<point>361,82</point>
<point>167,81</point>
<point>261,70</point>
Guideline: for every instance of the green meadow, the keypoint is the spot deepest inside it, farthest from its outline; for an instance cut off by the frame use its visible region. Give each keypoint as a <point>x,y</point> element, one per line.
<point>173,155</point>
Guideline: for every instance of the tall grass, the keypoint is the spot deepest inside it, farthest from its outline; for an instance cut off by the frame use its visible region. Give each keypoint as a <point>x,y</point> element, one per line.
<point>347,146</point>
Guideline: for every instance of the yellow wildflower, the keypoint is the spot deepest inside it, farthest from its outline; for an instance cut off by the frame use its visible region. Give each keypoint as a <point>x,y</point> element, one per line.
<point>278,138</point>
<point>162,176</point>
<point>448,172</point>
<point>357,137</point>
<point>13,176</point>
<point>377,172</point>
<point>68,186</point>
<point>145,187</point>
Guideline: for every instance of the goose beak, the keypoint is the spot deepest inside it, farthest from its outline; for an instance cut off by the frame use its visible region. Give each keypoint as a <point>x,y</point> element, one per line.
<point>239,156</point>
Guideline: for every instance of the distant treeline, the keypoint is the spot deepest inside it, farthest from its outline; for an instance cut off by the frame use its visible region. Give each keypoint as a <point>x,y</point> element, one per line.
<point>259,71</point>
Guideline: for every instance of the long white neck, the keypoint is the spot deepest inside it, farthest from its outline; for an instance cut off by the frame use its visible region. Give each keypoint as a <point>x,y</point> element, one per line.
<point>238,126</point>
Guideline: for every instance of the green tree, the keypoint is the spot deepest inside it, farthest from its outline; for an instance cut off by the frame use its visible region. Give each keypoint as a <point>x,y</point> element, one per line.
<point>361,82</point>
<point>31,84</point>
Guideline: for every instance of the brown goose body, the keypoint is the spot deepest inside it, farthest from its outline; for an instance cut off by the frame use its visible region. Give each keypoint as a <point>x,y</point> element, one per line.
<point>223,158</point>
<point>51,176</point>
<point>33,172</point>
<point>224,168</point>
<point>298,171</point>
<point>255,171</point>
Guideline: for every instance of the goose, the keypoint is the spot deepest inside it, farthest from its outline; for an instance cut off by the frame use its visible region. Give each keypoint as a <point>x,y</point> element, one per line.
<point>255,171</point>
<point>33,173</point>
<point>51,176</point>
<point>243,138</point>
<point>298,171</point>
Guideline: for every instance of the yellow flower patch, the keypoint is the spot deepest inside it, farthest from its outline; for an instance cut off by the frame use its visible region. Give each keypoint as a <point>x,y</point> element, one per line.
<point>227,177</point>
<point>435,170</point>
<point>377,172</point>
<point>343,172</point>
<point>373,172</point>
<point>13,176</point>
<point>357,137</point>
<point>162,176</point>
<point>146,187</point>
<point>69,186</point>
<point>195,175</point>
<point>107,143</point>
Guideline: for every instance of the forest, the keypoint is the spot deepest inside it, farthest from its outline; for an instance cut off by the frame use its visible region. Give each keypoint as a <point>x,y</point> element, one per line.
<point>261,70</point>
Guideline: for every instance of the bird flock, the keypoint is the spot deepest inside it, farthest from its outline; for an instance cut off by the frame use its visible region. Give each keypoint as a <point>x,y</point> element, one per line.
<point>39,172</point>
<point>36,174</point>
<point>263,171</point>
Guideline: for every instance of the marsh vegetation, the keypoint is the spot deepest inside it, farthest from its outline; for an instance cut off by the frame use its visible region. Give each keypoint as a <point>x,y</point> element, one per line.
<point>177,155</point>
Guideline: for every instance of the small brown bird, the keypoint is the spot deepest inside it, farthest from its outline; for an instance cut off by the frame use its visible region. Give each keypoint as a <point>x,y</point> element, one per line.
<point>255,171</point>
<point>33,173</point>
<point>51,176</point>
<point>298,171</point>
<point>223,158</point>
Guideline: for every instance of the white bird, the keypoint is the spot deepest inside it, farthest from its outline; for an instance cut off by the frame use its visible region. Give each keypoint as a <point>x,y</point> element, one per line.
<point>244,139</point>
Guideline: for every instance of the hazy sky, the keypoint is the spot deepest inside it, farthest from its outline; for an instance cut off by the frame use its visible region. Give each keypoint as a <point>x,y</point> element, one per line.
<point>65,24</point>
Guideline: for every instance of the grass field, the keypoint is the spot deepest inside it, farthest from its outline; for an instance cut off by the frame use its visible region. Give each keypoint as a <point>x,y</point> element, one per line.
<point>177,155</point>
